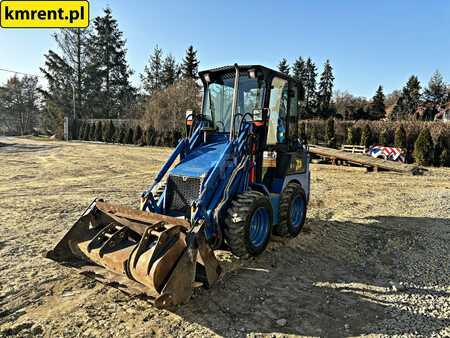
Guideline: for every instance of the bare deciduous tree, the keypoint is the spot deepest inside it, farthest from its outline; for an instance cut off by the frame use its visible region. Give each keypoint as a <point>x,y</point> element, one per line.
<point>165,109</point>
<point>19,104</point>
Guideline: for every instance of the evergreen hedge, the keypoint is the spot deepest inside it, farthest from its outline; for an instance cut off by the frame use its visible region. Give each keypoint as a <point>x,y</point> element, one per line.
<point>87,132</point>
<point>81,131</point>
<point>444,159</point>
<point>330,135</point>
<point>302,131</point>
<point>99,131</point>
<point>121,134</point>
<point>147,138</point>
<point>384,138</point>
<point>353,135</point>
<point>92,133</point>
<point>423,148</point>
<point>441,151</point>
<point>129,136</point>
<point>332,132</point>
<point>400,137</point>
<point>366,136</point>
<point>109,132</point>
<point>137,135</point>
<point>349,139</point>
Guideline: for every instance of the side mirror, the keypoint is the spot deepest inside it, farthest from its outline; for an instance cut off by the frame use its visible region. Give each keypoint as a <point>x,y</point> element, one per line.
<point>260,116</point>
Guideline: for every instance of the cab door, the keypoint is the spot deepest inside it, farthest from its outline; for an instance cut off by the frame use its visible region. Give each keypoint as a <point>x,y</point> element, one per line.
<point>278,110</point>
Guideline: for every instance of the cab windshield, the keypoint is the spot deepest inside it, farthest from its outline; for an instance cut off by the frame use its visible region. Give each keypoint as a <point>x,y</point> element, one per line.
<point>218,100</point>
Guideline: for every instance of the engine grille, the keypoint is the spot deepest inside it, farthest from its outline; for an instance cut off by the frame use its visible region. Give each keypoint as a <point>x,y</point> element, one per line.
<point>181,192</point>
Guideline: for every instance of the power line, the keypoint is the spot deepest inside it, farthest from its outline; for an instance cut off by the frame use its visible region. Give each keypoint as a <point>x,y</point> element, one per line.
<point>42,77</point>
<point>21,73</point>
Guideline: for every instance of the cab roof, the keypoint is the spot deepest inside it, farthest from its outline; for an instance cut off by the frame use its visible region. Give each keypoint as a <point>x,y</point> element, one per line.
<point>230,68</point>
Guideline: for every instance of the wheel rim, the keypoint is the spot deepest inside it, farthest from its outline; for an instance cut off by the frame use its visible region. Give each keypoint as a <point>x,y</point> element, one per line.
<point>259,226</point>
<point>297,212</point>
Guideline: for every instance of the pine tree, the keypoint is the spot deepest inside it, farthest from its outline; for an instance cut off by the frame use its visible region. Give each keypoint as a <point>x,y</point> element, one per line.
<point>99,131</point>
<point>169,71</point>
<point>108,74</point>
<point>423,148</point>
<point>283,66</point>
<point>65,71</point>
<point>152,78</point>
<point>325,88</point>
<point>436,92</point>
<point>58,99</point>
<point>299,70</point>
<point>310,86</point>
<point>366,136</point>
<point>377,110</point>
<point>137,135</point>
<point>73,44</point>
<point>299,73</point>
<point>400,137</point>
<point>330,133</point>
<point>411,97</point>
<point>189,68</point>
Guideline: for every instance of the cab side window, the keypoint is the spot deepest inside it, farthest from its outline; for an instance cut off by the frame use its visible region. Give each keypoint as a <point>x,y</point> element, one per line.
<point>278,111</point>
<point>293,112</point>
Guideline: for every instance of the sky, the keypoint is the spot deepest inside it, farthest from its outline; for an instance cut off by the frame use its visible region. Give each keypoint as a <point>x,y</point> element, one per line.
<point>369,43</point>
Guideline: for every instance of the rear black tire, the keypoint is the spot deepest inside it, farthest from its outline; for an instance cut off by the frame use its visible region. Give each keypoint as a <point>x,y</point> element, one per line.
<point>292,194</point>
<point>247,207</point>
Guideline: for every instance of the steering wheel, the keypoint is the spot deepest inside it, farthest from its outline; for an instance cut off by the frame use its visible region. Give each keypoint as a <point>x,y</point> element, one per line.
<point>223,125</point>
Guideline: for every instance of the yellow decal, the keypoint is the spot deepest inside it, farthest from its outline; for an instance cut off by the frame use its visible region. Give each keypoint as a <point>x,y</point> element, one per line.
<point>297,165</point>
<point>44,14</point>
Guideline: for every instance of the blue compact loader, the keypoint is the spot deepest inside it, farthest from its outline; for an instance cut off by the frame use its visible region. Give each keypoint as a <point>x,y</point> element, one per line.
<point>240,175</point>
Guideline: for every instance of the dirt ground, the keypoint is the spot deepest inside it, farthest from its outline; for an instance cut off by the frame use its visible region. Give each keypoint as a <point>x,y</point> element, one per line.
<point>372,260</point>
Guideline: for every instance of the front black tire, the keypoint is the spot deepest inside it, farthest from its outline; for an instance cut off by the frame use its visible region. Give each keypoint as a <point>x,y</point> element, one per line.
<point>243,234</point>
<point>293,199</point>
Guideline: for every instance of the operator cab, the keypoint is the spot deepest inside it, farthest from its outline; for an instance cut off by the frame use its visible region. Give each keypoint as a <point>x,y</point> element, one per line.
<point>271,100</point>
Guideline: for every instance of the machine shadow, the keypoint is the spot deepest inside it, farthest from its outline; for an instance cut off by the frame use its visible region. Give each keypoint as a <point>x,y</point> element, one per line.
<point>299,287</point>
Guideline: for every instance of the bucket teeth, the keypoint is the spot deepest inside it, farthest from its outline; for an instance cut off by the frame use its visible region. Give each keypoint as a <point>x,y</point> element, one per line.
<point>139,252</point>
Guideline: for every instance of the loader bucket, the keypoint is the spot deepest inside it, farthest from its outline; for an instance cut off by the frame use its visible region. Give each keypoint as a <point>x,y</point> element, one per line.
<point>138,252</point>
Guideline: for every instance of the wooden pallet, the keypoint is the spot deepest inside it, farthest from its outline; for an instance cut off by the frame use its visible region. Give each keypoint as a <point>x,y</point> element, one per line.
<point>373,164</point>
<point>354,149</point>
